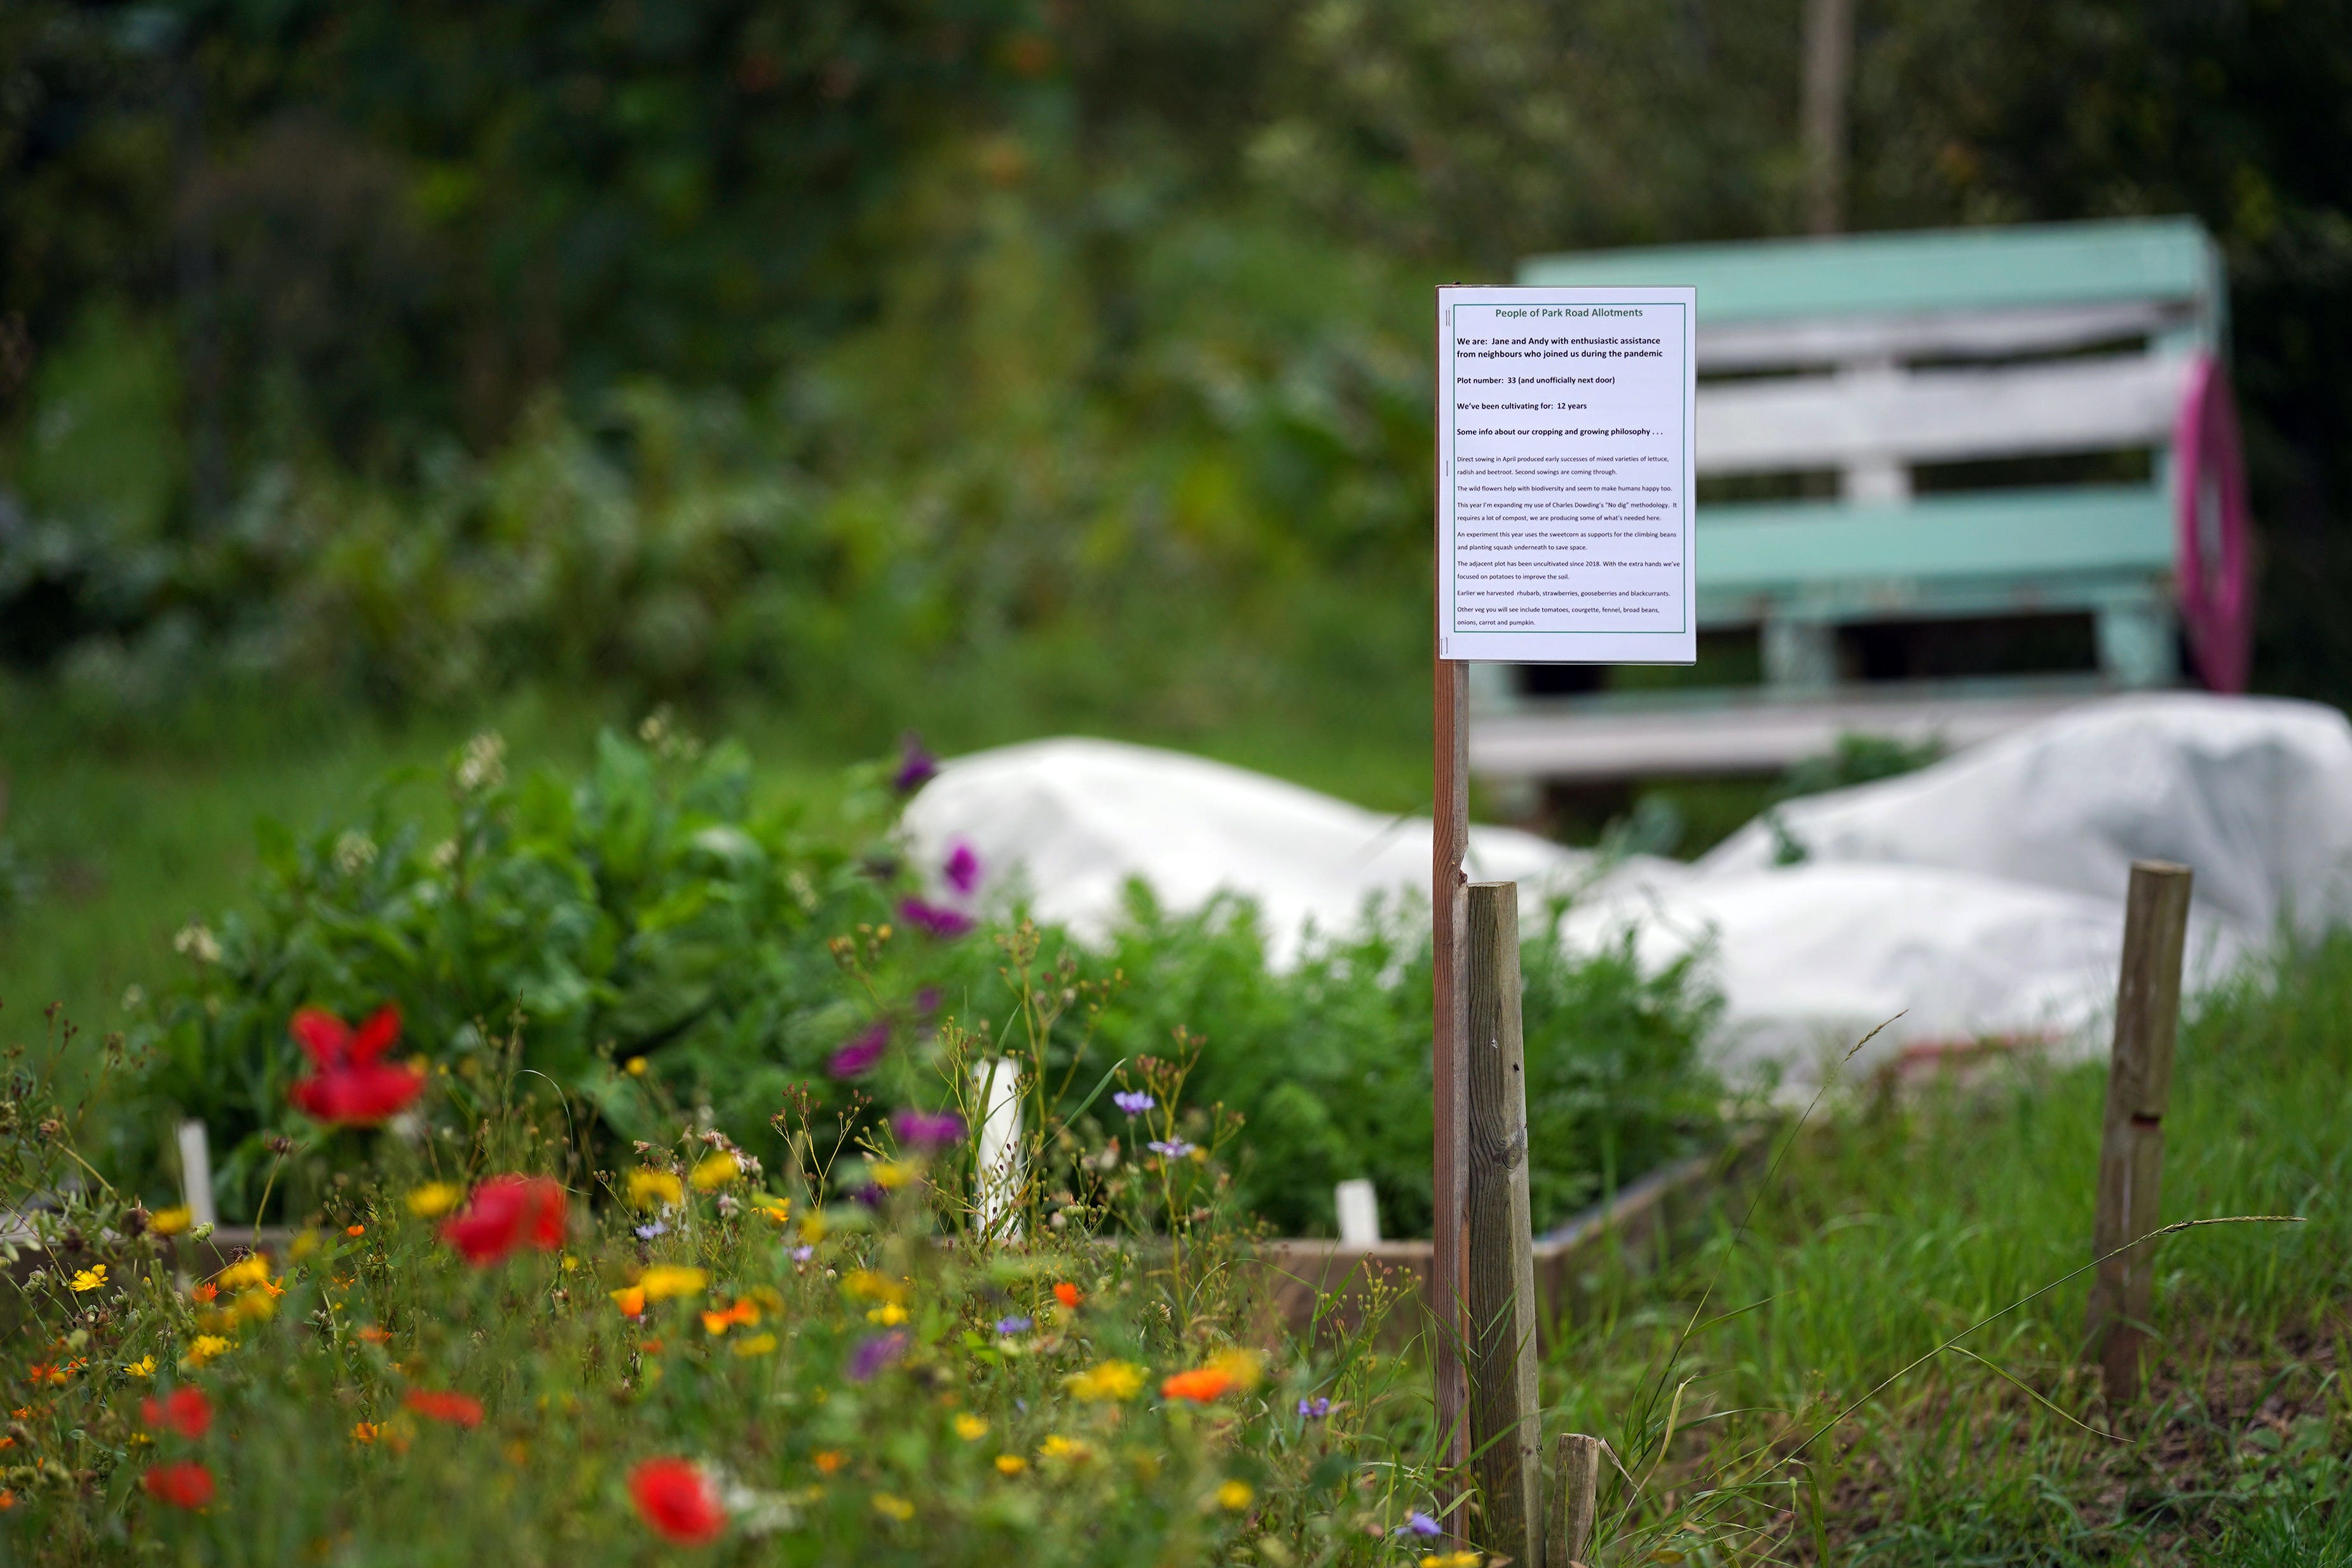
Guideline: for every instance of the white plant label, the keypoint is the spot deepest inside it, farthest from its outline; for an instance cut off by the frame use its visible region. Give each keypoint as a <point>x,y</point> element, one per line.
<point>1565,445</point>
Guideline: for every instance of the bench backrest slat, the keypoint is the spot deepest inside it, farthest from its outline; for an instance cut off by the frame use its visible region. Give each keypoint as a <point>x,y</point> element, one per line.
<point>1794,423</point>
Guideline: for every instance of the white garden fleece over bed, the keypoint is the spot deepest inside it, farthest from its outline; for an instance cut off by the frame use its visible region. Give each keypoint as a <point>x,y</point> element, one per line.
<point>1978,898</point>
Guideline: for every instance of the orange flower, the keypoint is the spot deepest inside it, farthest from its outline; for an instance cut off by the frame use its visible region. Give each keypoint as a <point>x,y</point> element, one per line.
<point>745,1311</point>
<point>827,1460</point>
<point>376,1335</point>
<point>631,1299</point>
<point>355,1230</point>
<point>206,1291</point>
<point>1067,1294</point>
<point>1200,1385</point>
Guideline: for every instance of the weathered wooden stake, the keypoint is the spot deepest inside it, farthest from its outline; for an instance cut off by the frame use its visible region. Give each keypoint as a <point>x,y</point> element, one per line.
<point>1576,1496</point>
<point>1505,1417</point>
<point>2131,1151</point>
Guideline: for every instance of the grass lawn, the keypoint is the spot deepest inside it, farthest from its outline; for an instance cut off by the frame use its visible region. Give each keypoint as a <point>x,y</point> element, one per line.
<point>1900,1222</point>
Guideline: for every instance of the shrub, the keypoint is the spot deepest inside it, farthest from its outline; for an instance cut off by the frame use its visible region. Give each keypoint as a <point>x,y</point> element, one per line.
<point>645,919</point>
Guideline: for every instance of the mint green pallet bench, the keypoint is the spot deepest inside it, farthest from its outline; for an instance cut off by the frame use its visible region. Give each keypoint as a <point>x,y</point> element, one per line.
<point>1866,358</point>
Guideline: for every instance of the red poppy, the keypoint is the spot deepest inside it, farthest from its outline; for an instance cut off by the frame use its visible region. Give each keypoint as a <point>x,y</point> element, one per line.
<point>183,1484</point>
<point>438,1404</point>
<point>507,1212</point>
<point>185,1410</point>
<point>1066,1293</point>
<point>348,1086</point>
<point>677,1499</point>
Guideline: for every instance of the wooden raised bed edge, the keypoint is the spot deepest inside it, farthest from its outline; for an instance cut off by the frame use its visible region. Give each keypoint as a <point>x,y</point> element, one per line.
<point>1322,1286</point>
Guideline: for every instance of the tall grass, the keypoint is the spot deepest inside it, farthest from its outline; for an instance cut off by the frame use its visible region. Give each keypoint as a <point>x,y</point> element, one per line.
<point>1904,1220</point>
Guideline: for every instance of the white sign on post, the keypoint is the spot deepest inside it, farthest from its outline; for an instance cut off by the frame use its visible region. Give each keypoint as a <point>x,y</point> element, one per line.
<point>1564,452</point>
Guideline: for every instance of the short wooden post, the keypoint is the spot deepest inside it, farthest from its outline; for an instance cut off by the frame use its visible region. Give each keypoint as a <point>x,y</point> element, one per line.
<point>2131,1150</point>
<point>1576,1496</point>
<point>1506,1434</point>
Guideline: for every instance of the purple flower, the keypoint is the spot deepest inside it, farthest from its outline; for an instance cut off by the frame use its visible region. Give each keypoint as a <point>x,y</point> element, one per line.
<point>935,918</point>
<point>1315,1409</point>
<point>1015,1324</point>
<point>871,1194</point>
<point>875,1353</point>
<point>962,868</point>
<point>926,1001</point>
<point>1420,1524</point>
<point>803,1253</point>
<point>1174,1148</point>
<point>862,1051</point>
<point>927,1129</point>
<point>916,767</point>
<point>647,1232</point>
<point>1134,1102</point>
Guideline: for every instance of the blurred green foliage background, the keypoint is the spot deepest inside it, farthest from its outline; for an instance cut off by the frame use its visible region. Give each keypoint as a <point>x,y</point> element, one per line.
<point>981,364</point>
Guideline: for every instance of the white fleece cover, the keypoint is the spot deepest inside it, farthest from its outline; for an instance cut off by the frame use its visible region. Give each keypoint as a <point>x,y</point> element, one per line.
<point>1978,898</point>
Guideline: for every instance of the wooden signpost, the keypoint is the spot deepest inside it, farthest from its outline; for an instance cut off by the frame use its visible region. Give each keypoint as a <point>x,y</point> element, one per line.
<point>1564,506</point>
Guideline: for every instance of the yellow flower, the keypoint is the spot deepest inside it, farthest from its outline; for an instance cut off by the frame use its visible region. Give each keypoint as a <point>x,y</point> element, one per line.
<point>1236,1496</point>
<point>170,1221</point>
<point>637,1067</point>
<point>204,1347</point>
<point>890,1507</point>
<point>874,1287</point>
<point>756,1345</point>
<point>364,1431</point>
<point>1010,1464</point>
<point>716,1170</point>
<point>971,1427</point>
<point>813,1227</point>
<point>776,1209</point>
<point>435,1199</point>
<point>664,1280</point>
<point>90,1279</point>
<point>1113,1380</point>
<point>1453,1560</point>
<point>649,1186</point>
<point>1246,1367</point>
<point>892,1174</point>
<point>252,1269</point>
<point>889,1315</point>
<point>256,1306</point>
<point>143,1367</point>
<point>1065,1449</point>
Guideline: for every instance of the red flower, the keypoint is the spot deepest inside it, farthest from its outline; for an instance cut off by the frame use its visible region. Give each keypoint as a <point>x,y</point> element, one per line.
<point>185,1410</point>
<point>438,1405</point>
<point>183,1484</point>
<point>1066,1293</point>
<point>350,1087</point>
<point>677,1499</point>
<point>507,1212</point>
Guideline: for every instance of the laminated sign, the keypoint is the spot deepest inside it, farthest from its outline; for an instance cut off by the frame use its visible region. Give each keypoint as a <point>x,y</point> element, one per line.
<point>1564,464</point>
